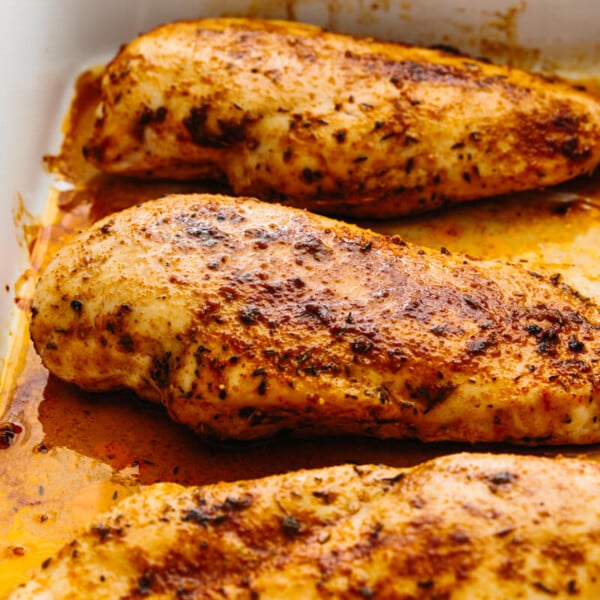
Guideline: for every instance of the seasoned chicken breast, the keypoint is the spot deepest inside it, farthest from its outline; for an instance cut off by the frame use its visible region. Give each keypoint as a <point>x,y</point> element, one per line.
<point>467,526</point>
<point>285,111</point>
<point>246,319</point>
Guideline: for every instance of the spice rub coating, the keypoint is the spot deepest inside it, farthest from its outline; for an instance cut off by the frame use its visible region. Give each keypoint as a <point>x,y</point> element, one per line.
<point>463,526</point>
<point>246,319</point>
<point>336,124</point>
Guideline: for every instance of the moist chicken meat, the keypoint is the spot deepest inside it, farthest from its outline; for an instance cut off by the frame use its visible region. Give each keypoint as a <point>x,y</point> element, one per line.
<point>463,526</point>
<point>337,124</point>
<point>247,319</point>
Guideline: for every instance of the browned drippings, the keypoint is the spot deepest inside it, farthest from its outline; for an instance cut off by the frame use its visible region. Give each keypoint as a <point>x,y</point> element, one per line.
<point>66,454</point>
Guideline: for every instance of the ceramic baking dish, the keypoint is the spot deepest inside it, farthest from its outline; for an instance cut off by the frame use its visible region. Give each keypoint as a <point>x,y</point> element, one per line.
<point>67,457</point>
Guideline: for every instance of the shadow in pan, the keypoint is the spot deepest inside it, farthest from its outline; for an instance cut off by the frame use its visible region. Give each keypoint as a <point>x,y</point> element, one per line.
<point>122,430</point>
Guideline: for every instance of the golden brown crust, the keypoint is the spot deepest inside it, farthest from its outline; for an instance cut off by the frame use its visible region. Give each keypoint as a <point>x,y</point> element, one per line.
<point>463,526</point>
<point>288,112</point>
<point>247,319</point>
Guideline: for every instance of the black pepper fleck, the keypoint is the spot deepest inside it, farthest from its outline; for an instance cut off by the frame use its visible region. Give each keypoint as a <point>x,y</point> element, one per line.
<point>361,345</point>
<point>290,525</point>
<point>76,305</point>
<point>575,345</point>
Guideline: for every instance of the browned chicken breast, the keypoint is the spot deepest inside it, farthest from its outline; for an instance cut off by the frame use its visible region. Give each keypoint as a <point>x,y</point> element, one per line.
<point>246,319</point>
<point>467,526</point>
<point>285,111</point>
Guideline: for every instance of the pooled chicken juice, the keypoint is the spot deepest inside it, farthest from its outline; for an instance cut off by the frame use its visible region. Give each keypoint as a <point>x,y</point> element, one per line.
<point>82,452</point>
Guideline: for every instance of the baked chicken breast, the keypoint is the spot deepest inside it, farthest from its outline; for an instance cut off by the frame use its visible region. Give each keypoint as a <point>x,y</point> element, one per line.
<point>337,124</point>
<point>247,318</point>
<point>465,526</point>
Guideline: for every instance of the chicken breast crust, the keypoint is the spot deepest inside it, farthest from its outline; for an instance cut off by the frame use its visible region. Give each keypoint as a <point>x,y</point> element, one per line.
<point>246,319</point>
<point>336,124</point>
<point>465,526</point>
